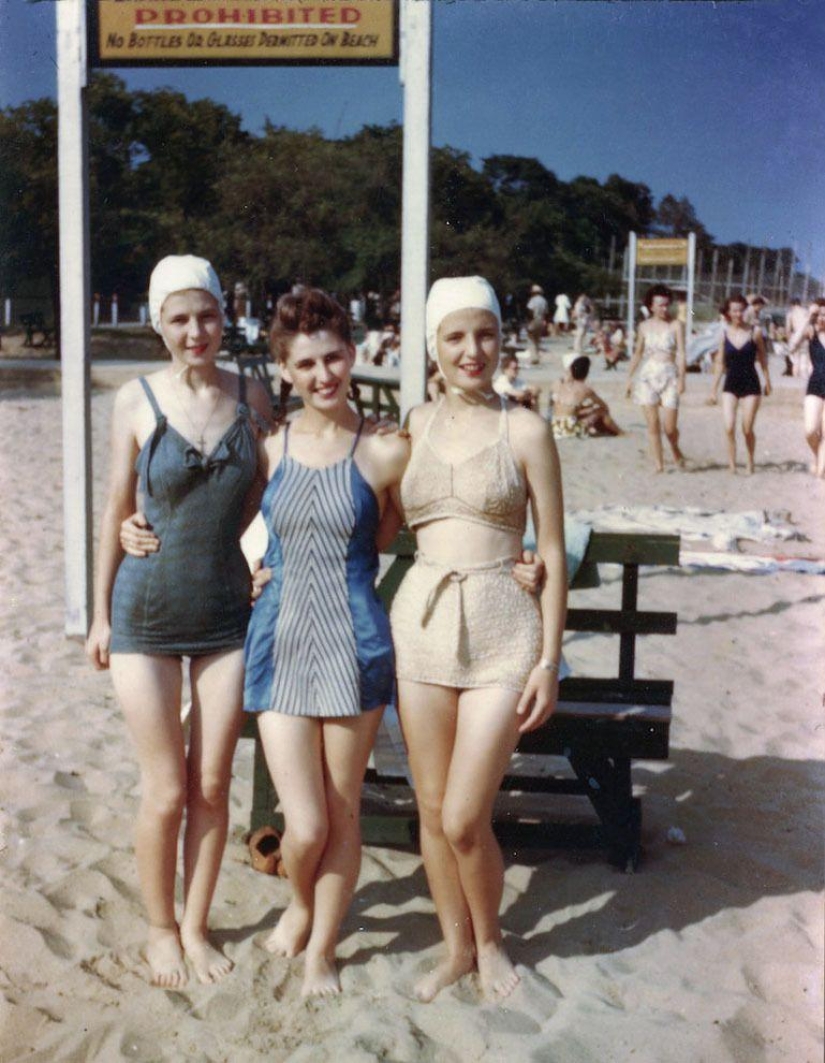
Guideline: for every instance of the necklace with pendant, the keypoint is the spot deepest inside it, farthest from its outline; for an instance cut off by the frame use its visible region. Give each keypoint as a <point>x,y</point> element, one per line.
<point>199,433</point>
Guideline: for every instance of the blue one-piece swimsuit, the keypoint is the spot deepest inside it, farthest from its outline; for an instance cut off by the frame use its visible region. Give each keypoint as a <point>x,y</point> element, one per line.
<point>192,596</point>
<point>319,640</point>
<point>741,378</point>
<point>816,381</point>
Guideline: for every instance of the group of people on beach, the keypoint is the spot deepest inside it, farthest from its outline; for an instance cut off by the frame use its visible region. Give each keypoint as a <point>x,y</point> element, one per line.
<point>470,655</point>
<point>740,369</point>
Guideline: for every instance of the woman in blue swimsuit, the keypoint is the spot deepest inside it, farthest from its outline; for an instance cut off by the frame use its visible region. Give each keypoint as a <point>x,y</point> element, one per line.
<point>814,333</point>
<point>183,442</point>
<point>740,348</point>
<point>319,657</point>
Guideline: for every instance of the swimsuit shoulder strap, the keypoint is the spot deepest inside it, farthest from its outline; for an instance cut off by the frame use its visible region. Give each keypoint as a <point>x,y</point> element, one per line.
<point>150,395</point>
<point>242,388</point>
<point>426,433</point>
<point>286,438</point>
<point>357,437</point>
<point>503,422</point>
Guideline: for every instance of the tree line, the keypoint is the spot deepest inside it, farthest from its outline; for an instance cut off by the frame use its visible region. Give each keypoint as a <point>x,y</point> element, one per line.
<point>169,175</point>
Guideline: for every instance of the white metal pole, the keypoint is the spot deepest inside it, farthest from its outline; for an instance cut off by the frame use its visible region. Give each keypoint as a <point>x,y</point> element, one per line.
<point>416,62</point>
<point>691,274</point>
<point>631,292</point>
<point>73,200</point>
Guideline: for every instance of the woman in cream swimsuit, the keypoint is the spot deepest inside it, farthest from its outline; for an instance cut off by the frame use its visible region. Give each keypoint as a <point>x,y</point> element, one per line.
<point>477,656</point>
<point>661,342</point>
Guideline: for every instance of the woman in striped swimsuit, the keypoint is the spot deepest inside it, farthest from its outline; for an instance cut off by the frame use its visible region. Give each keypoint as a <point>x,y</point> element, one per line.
<point>319,658</point>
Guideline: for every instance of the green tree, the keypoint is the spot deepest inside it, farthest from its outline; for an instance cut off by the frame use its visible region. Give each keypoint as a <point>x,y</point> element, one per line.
<point>677,217</point>
<point>28,195</point>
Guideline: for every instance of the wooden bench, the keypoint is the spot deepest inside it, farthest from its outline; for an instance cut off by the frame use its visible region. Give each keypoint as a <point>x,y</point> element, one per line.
<point>375,390</point>
<point>601,725</point>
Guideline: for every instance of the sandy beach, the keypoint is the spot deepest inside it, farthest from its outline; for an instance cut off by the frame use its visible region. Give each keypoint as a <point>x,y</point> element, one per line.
<point>711,952</point>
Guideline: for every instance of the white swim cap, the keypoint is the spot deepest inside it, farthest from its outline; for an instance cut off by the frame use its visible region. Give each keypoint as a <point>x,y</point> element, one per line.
<point>179,273</point>
<point>457,293</point>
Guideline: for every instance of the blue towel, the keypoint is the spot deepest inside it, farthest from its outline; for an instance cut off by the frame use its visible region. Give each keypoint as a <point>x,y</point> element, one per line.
<point>576,538</point>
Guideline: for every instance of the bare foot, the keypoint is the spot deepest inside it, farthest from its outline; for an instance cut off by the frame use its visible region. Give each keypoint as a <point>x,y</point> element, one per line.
<point>496,972</point>
<point>749,469</point>
<point>320,978</point>
<point>292,932</point>
<point>165,957</point>
<point>210,965</point>
<point>443,974</point>
<point>732,470</point>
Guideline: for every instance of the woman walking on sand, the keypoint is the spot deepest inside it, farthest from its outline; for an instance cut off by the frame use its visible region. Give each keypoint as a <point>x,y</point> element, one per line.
<point>477,656</point>
<point>661,341</point>
<point>814,335</point>
<point>741,346</point>
<point>184,438</point>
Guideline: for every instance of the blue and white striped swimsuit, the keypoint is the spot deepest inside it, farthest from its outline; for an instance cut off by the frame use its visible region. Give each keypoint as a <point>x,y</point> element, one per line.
<point>319,641</point>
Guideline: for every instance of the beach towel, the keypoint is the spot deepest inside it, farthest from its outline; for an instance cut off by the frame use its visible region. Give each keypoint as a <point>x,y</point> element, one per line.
<point>722,530</point>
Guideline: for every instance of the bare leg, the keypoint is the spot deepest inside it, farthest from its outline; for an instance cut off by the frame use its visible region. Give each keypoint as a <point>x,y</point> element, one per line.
<point>601,423</point>
<point>654,436</point>
<point>820,462</point>
<point>815,432</point>
<point>346,749</point>
<point>149,691</point>
<point>217,684</point>
<point>750,406</point>
<point>670,419</point>
<point>486,735</point>
<point>292,746</point>
<point>428,719</point>
<point>729,404</point>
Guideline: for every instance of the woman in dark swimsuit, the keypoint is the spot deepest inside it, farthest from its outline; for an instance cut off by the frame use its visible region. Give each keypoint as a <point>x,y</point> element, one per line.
<point>185,439</point>
<point>814,333</point>
<point>740,348</point>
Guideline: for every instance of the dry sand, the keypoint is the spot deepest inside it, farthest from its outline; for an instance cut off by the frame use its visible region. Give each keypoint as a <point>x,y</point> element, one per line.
<point>712,952</point>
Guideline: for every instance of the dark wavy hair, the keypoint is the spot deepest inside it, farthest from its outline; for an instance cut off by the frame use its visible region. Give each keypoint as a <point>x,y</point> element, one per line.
<point>303,312</point>
<point>737,297</point>
<point>657,289</point>
<point>580,367</point>
<point>307,312</point>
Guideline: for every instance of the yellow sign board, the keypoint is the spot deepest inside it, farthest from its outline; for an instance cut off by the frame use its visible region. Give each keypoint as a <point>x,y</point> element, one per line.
<point>662,252</point>
<point>239,32</point>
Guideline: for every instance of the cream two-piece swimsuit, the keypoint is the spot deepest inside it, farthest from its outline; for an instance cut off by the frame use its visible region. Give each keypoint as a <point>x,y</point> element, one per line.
<point>465,626</point>
<point>658,382</point>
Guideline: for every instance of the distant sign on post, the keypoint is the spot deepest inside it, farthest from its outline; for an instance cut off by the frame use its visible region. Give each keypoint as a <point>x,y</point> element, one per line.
<point>665,252</point>
<point>239,32</point>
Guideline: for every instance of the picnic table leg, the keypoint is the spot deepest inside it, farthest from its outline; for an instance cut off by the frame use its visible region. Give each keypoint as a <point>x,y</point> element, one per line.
<point>264,796</point>
<point>608,784</point>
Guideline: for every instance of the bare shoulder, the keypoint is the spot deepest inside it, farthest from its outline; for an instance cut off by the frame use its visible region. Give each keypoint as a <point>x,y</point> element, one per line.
<point>531,436</point>
<point>527,428</point>
<point>130,396</point>
<point>390,447</point>
<point>418,417</point>
<point>258,398</point>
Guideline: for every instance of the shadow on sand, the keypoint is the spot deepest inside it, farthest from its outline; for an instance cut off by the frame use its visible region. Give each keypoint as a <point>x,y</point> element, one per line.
<point>736,855</point>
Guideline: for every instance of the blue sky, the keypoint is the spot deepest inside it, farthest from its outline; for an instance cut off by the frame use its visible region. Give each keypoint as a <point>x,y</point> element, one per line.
<point>717,100</point>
